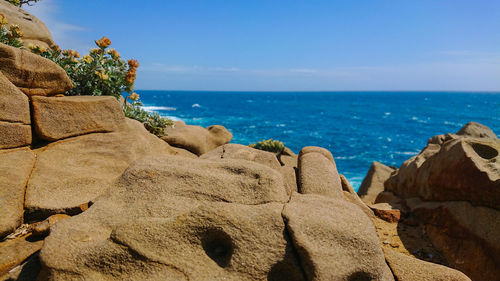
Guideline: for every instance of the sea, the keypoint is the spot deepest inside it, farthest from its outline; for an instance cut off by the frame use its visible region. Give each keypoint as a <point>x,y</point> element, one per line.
<point>357,127</point>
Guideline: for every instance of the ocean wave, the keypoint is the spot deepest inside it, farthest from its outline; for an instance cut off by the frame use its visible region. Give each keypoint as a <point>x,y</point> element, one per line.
<point>196,105</point>
<point>409,153</point>
<point>453,123</point>
<point>154,108</point>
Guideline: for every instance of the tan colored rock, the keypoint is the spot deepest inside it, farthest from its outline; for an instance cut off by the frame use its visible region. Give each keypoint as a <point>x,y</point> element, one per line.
<point>43,228</point>
<point>184,153</point>
<point>317,173</point>
<point>26,271</point>
<point>351,196</point>
<point>196,139</point>
<point>225,180</point>
<point>386,212</point>
<point>72,172</point>
<point>406,268</point>
<point>334,239</point>
<point>373,183</point>
<point>14,135</point>
<point>467,236</point>
<point>288,158</point>
<point>386,197</point>
<point>16,166</point>
<point>463,169</point>
<point>14,105</point>
<point>33,74</point>
<point>14,252</point>
<point>477,130</point>
<point>168,218</point>
<point>34,30</point>
<point>238,151</point>
<point>81,115</point>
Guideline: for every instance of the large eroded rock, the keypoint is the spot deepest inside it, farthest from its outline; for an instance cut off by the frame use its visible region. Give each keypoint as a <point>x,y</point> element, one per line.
<point>197,139</point>
<point>467,236</point>
<point>477,130</point>
<point>74,171</point>
<point>334,239</point>
<point>317,173</point>
<point>459,169</point>
<point>34,30</point>
<point>173,218</point>
<point>80,115</point>
<point>373,183</point>
<point>33,74</point>
<point>16,166</point>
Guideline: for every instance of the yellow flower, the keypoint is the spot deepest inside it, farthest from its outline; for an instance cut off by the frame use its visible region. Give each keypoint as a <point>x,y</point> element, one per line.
<point>134,96</point>
<point>3,20</point>
<point>102,75</point>
<point>95,51</point>
<point>87,59</point>
<point>103,43</point>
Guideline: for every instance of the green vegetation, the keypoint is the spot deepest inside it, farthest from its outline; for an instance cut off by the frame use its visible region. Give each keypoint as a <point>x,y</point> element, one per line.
<point>10,35</point>
<point>20,3</point>
<point>103,72</point>
<point>270,145</point>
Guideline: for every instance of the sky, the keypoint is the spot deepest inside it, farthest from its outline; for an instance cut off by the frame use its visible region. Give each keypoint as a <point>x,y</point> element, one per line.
<point>267,45</point>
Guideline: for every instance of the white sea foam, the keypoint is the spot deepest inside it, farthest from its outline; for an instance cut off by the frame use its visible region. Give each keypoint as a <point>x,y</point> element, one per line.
<point>154,108</point>
<point>196,105</point>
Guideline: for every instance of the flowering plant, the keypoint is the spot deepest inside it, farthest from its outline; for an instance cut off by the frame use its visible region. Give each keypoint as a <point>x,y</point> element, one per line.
<point>10,35</point>
<point>102,72</point>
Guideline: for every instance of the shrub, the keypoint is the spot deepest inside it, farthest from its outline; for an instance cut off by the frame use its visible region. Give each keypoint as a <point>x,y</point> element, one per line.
<point>270,145</point>
<point>20,3</point>
<point>11,35</point>
<point>103,72</point>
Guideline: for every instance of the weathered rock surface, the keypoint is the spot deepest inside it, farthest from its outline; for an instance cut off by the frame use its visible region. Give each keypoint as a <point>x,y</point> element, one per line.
<point>14,252</point>
<point>197,139</point>
<point>477,130</point>
<point>351,196</point>
<point>14,135</point>
<point>31,73</point>
<point>288,158</point>
<point>168,219</point>
<point>81,115</point>
<point>34,30</point>
<point>460,169</point>
<point>16,166</point>
<point>334,239</point>
<point>406,268</point>
<point>14,105</point>
<point>373,183</point>
<point>317,173</point>
<point>74,171</point>
<point>468,236</point>
<point>238,151</point>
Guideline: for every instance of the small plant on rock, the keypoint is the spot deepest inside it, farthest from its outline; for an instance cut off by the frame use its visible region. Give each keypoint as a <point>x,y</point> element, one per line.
<point>10,35</point>
<point>103,72</point>
<point>270,145</point>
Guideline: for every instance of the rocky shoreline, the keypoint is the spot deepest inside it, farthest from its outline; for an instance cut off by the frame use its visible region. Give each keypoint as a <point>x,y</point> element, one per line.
<point>88,194</point>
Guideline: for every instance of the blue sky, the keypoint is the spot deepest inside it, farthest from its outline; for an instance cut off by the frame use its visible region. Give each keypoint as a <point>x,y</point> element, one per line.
<point>451,45</point>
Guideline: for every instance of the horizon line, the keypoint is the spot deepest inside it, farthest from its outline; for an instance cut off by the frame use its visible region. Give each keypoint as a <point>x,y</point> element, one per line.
<point>330,91</point>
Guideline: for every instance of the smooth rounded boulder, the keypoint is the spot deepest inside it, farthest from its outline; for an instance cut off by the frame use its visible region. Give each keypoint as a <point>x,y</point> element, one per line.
<point>33,74</point>
<point>196,139</point>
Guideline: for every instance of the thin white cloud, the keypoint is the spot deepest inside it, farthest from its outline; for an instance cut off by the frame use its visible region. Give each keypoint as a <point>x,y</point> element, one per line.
<point>63,33</point>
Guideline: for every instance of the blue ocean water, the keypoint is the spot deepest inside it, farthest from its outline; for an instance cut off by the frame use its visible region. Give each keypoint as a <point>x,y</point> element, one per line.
<point>357,127</point>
